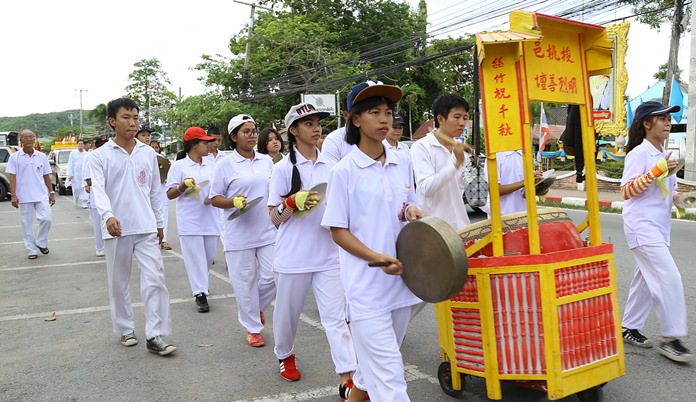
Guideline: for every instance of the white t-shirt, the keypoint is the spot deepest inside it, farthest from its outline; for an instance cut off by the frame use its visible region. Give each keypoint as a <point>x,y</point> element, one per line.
<point>439,185</point>
<point>193,217</point>
<point>128,187</point>
<point>235,174</point>
<point>367,199</point>
<point>75,163</point>
<point>647,217</point>
<point>510,170</point>
<point>302,245</point>
<point>29,171</point>
<point>335,146</point>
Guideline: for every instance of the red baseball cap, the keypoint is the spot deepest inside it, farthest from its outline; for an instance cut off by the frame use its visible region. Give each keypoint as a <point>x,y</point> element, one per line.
<point>196,132</point>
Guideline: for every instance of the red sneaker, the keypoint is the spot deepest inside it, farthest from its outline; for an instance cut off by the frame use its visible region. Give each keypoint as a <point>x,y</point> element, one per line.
<point>345,389</point>
<point>288,370</point>
<point>255,340</point>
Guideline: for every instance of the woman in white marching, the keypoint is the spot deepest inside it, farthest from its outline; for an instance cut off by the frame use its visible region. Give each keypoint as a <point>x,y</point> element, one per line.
<point>648,187</point>
<point>305,255</point>
<point>249,238</point>
<point>197,221</point>
<point>369,197</point>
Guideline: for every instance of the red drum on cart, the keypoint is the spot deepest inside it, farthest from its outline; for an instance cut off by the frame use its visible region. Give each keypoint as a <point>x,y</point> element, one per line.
<point>557,232</point>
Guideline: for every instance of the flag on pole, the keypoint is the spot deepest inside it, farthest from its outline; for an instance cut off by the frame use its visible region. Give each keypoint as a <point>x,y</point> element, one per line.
<point>544,133</point>
<point>677,98</point>
<point>629,115</point>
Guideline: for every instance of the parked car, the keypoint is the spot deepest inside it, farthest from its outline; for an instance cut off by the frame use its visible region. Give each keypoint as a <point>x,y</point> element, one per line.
<point>5,152</point>
<point>58,159</point>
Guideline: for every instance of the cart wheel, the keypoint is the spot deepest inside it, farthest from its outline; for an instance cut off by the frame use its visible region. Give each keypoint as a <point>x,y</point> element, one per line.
<point>593,394</point>
<point>444,374</point>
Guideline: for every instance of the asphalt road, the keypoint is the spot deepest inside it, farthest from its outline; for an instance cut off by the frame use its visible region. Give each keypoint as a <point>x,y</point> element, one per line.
<point>76,357</point>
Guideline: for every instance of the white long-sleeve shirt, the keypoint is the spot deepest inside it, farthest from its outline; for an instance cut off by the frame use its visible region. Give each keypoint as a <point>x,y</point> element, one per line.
<point>127,186</point>
<point>439,185</point>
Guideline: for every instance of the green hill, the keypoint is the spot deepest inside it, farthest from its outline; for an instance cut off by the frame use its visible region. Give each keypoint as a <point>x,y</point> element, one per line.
<point>48,124</point>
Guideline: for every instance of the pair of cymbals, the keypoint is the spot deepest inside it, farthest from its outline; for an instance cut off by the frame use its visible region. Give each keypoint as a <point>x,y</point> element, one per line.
<point>320,189</point>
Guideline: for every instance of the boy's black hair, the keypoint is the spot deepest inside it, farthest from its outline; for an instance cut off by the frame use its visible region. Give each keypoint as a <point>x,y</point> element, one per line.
<point>352,132</point>
<point>213,130</point>
<point>113,106</point>
<point>443,105</point>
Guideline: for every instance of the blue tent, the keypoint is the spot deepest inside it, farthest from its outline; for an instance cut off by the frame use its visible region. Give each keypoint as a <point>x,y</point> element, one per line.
<point>654,93</point>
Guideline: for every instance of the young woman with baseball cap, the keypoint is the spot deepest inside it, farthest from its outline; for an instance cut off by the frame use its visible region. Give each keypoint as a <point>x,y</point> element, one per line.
<point>249,237</point>
<point>305,255</point>
<point>197,221</point>
<point>648,186</point>
<point>369,197</point>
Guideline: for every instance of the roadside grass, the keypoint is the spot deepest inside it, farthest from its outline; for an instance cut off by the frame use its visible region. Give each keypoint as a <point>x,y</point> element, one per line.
<point>687,217</point>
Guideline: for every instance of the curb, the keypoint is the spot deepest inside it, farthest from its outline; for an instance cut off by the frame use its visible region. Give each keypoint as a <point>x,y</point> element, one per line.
<point>582,202</point>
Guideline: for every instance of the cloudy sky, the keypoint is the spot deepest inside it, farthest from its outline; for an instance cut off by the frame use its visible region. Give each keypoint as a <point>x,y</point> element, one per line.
<point>53,49</point>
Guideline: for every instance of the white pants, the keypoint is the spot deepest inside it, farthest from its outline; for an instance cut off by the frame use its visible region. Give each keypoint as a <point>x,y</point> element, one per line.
<point>328,292</point>
<point>42,210</point>
<point>251,275</point>
<point>377,343</point>
<point>96,228</point>
<point>199,252</point>
<point>165,212</point>
<point>80,196</point>
<point>656,283</point>
<point>153,290</point>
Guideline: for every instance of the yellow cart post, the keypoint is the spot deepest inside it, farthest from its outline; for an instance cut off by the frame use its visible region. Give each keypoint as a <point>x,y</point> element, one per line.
<point>540,306</point>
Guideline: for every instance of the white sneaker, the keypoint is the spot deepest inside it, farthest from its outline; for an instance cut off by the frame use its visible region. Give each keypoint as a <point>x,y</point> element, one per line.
<point>100,253</point>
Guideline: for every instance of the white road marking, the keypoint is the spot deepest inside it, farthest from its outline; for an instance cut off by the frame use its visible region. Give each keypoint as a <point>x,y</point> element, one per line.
<point>87,310</point>
<point>52,225</point>
<point>49,241</point>
<point>97,260</point>
<point>412,374</point>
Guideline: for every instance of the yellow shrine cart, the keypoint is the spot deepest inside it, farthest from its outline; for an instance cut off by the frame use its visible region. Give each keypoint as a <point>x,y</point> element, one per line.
<point>540,304</point>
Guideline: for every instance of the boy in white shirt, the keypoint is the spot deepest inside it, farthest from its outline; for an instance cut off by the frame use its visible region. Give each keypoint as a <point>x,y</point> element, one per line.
<point>393,137</point>
<point>439,166</point>
<point>125,174</point>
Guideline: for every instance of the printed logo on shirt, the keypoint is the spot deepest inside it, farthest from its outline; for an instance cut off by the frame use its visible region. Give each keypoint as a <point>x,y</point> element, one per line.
<point>39,170</point>
<point>142,177</point>
<point>408,187</point>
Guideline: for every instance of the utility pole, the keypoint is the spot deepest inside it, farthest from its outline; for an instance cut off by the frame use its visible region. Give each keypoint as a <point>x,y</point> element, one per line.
<point>690,163</point>
<point>81,90</point>
<point>248,44</point>
<point>673,49</point>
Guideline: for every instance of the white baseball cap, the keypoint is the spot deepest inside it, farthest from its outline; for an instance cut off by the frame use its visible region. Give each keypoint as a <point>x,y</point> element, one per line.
<point>238,120</point>
<point>303,110</point>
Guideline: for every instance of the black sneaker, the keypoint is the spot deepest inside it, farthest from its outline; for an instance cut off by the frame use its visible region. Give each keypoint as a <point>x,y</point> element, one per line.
<point>159,346</point>
<point>129,339</point>
<point>202,303</point>
<point>676,351</point>
<point>634,337</point>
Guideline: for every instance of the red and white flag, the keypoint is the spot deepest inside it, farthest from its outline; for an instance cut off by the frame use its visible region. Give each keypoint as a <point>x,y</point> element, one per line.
<point>544,133</point>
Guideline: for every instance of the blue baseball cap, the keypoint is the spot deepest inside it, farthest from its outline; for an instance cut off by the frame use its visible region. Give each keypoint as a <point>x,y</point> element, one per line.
<point>143,129</point>
<point>652,108</point>
<point>372,88</point>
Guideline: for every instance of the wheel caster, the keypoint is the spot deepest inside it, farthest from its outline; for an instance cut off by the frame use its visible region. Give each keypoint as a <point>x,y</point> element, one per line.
<point>593,394</point>
<point>444,375</point>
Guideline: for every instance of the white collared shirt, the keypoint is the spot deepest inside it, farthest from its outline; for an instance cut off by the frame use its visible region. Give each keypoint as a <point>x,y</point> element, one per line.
<point>647,217</point>
<point>400,146</point>
<point>367,198</point>
<point>214,158</point>
<point>193,217</point>
<point>302,245</point>
<point>75,163</point>
<point>335,146</point>
<point>29,170</point>
<point>439,185</point>
<point>510,170</point>
<point>235,174</point>
<point>127,186</point>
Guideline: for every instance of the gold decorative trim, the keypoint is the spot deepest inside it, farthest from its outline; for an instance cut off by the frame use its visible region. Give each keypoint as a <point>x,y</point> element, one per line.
<point>618,33</point>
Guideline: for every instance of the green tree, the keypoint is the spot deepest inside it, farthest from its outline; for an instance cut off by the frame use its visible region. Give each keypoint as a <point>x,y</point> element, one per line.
<point>98,115</point>
<point>652,12</point>
<point>148,87</point>
<point>661,73</point>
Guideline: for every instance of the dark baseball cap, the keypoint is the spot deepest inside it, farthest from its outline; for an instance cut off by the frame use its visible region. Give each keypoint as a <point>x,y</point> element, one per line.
<point>372,88</point>
<point>143,129</point>
<point>398,120</point>
<point>652,108</point>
